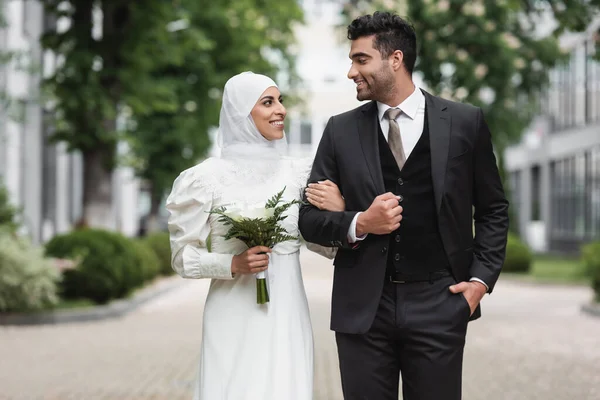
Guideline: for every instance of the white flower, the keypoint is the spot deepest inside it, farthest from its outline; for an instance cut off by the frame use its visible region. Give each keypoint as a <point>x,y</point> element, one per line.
<point>490,26</point>
<point>476,9</point>
<point>487,95</point>
<point>519,63</point>
<point>461,93</point>
<point>249,212</point>
<point>446,94</point>
<point>388,4</point>
<point>190,106</point>
<point>443,5</point>
<point>511,41</point>
<point>481,70</point>
<point>462,55</point>
<point>447,30</point>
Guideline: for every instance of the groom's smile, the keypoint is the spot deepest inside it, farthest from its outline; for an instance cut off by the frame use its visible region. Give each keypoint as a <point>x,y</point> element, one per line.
<point>372,73</point>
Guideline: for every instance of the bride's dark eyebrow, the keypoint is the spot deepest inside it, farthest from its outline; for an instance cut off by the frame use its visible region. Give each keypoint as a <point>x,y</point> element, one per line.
<point>271,98</point>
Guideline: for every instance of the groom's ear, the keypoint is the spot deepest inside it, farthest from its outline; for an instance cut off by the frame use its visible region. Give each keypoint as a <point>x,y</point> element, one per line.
<point>396,59</point>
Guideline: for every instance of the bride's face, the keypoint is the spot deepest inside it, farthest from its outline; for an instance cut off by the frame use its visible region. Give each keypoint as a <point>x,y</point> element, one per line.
<point>269,113</point>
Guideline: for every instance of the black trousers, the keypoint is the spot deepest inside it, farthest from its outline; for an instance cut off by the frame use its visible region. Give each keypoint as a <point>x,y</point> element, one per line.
<point>419,332</point>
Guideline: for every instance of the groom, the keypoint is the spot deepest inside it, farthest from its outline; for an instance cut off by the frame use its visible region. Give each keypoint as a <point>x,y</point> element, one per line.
<point>415,171</point>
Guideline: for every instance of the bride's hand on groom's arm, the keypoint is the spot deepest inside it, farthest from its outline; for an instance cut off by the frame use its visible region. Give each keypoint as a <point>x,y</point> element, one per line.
<point>251,261</point>
<point>325,195</point>
<point>382,217</point>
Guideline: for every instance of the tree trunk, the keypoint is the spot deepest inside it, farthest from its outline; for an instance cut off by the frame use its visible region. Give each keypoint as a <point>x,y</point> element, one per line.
<point>153,216</point>
<point>97,190</point>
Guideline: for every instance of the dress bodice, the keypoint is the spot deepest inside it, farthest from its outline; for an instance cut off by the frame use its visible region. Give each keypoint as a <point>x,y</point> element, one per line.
<point>250,185</point>
<point>220,182</point>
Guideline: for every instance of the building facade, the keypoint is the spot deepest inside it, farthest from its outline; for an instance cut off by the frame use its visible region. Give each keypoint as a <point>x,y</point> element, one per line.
<point>555,170</point>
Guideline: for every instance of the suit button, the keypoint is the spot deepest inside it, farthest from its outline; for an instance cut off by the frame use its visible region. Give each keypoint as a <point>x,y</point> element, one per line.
<point>400,198</point>
<point>397,257</point>
<point>383,250</point>
<point>400,181</point>
<point>397,238</point>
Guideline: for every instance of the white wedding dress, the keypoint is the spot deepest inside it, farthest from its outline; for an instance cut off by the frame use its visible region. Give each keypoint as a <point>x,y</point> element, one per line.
<point>249,351</point>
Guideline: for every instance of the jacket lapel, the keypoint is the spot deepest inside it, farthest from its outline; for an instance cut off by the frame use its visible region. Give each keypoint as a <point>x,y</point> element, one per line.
<point>439,133</point>
<point>367,132</point>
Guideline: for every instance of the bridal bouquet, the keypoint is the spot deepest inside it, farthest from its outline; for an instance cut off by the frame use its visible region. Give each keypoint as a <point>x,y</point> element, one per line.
<point>258,226</point>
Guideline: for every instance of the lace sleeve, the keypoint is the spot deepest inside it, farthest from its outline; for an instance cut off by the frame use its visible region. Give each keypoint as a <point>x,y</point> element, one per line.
<point>301,172</point>
<point>189,229</point>
<point>302,168</point>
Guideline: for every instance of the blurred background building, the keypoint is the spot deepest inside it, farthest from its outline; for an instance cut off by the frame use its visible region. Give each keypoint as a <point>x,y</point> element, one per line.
<point>555,170</point>
<point>43,178</point>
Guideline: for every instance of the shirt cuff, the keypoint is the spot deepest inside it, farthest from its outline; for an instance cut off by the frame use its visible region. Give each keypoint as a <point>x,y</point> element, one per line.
<point>352,238</point>
<point>482,282</point>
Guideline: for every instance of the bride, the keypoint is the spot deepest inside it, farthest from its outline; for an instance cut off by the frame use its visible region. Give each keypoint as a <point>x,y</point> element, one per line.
<point>249,351</point>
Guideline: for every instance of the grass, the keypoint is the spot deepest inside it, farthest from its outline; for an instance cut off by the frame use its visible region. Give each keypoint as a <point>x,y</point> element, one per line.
<point>70,304</point>
<point>554,269</point>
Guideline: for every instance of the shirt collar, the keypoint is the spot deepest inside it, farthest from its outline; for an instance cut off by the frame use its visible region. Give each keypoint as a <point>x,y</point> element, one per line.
<point>409,106</point>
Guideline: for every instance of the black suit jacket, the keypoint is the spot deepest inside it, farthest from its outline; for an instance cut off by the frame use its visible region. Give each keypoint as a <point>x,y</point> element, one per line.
<point>467,187</point>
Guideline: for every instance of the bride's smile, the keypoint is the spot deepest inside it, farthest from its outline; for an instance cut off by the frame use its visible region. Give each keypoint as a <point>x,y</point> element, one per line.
<point>269,114</point>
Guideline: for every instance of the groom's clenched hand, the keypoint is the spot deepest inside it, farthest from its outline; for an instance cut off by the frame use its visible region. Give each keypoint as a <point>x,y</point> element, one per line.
<point>382,217</point>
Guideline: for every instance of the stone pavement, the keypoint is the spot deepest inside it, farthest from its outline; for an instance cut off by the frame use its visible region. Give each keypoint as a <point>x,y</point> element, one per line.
<point>533,343</point>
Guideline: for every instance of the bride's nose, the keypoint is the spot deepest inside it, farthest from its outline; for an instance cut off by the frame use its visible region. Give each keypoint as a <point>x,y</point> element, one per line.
<point>281,111</point>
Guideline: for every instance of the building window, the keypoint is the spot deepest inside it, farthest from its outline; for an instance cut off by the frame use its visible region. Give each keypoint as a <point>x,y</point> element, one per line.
<point>593,189</point>
<point>305,133</point>
<point>575,205</point>
<point>515,195</point>
<point>48,171</point>
<point>573,96</point>
<point>536,180</point>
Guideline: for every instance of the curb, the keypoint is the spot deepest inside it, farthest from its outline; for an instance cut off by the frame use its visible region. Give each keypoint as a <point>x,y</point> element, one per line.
<point>592,309</point>
<point>115,309</point>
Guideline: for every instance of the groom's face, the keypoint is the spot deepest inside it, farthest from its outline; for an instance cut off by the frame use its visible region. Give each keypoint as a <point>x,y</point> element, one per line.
<point>373,75</point>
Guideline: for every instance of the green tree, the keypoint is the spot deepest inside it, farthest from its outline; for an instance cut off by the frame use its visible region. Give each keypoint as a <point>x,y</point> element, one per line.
<point>106,56</point>
<point>220,39</point>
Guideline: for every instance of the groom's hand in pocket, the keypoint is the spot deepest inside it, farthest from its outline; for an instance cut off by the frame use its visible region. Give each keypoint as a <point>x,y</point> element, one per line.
<point>382,217</point>
<point>473,292</point>
<point>251,261</point>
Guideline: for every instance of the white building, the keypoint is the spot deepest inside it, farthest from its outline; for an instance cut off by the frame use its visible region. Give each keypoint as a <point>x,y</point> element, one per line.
<point>43,178</point>
<point>555,170</point>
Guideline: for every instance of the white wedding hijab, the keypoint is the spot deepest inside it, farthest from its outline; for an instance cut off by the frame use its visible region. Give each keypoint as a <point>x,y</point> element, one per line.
<point>238,135</point>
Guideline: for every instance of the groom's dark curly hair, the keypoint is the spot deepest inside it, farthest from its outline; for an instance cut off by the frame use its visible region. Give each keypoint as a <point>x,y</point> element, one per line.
<point>391,33</point>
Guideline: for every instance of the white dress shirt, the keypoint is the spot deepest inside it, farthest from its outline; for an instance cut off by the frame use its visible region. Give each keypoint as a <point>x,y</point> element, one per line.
<point>411,121</point>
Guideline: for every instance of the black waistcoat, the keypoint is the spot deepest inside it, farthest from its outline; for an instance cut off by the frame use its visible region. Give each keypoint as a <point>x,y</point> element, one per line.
<point>416,246</point>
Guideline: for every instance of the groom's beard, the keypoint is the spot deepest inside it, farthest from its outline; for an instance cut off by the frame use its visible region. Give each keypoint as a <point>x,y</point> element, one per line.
<point>379,88</point>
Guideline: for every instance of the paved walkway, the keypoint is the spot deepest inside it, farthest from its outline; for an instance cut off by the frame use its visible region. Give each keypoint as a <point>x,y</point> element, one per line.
<point>533,343</point>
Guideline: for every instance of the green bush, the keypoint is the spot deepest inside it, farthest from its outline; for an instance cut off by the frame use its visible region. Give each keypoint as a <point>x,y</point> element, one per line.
<point>108,264</point>
<point>518,256</point>
<point>159,242</point>
<point>591,260</point>
<point>8,213</point>
<point>147,260</point>
<point>28,281</point>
